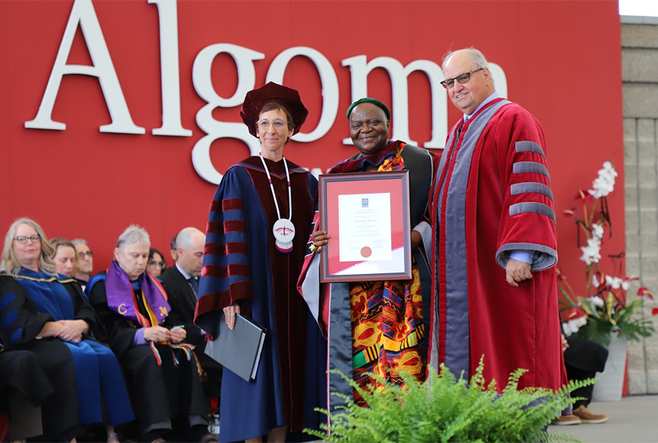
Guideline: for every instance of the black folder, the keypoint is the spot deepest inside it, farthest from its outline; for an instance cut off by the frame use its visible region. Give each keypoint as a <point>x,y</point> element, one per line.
<point>238,349</point>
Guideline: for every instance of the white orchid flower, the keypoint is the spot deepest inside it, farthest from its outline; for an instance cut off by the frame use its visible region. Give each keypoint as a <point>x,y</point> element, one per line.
<point>597,301</point>
<point>591,252</point>
<point>595,281</point>
<point>567,329</point>
<point>604,184</point>
<point>572,326</point>
<point>597,231</point>
<point>607,166</point>
<point>614,282</point>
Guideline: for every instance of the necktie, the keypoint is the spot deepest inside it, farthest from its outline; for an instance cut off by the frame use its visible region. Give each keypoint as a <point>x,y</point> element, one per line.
<point>459,130</point>
<point>195,284</point>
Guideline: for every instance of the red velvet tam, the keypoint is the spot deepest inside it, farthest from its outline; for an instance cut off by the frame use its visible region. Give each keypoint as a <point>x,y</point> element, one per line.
<point>272,92</point>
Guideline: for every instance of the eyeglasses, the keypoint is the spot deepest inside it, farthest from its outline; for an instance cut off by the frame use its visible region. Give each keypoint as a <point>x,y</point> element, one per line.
<point>463,78</point>
<point>22,239</point>
<point>81,255</point>
<point>278,124</point>
<point>158,263</point>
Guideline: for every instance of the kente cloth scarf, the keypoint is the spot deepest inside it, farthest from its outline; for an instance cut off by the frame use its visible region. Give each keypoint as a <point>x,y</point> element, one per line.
<point>121,296</point>
<point>186,348</point>
<point>387,316</point>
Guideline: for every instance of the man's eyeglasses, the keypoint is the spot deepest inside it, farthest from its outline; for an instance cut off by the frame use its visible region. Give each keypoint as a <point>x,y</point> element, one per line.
<point>265,124</point>
<point>81,255</point>
<point>22,239</point>
<point>463,78</point>
<point>158,263</point>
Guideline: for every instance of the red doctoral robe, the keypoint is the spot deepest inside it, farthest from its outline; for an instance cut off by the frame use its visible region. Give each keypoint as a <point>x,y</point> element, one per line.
<point>493,196</point>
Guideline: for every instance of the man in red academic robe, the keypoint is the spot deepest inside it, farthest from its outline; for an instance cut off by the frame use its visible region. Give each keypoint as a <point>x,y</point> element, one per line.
<point>495,236</point>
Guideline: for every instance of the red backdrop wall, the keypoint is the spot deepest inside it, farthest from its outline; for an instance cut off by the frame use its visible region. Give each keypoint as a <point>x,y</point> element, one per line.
<point>562,61</point>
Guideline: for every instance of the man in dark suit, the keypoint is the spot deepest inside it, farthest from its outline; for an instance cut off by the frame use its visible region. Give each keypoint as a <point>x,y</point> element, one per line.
<point>182,283</point>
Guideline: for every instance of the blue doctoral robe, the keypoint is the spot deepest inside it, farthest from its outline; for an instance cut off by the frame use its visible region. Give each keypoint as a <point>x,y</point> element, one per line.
<point>31,299</point>
<point>241,264</point>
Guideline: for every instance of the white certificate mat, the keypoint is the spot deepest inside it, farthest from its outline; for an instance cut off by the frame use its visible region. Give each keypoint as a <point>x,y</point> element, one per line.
<point>367,217</point>
<point>365,223</point>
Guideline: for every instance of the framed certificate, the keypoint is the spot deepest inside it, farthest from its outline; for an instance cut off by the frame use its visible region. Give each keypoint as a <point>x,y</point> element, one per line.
<point>367,217</point>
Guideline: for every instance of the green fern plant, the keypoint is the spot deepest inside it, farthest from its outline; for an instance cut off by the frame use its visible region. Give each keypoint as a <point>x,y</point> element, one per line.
<point>444,409</point>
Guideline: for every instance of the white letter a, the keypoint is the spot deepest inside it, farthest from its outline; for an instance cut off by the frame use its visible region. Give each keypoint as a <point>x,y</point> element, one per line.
<point>83,13</point>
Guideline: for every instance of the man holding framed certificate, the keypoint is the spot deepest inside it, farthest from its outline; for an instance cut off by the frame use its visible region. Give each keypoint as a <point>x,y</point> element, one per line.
<point>376,316</point>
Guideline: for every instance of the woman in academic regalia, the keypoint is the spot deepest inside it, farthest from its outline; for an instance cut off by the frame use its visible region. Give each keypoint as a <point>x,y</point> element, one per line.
<point>64,256</point>
<point>48,315</point>
<point>162,374</point>
<point>258,228</point>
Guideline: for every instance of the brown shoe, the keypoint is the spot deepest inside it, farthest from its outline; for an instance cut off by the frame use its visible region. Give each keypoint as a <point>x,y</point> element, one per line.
<point>586,416</point>
<point>566,420</point>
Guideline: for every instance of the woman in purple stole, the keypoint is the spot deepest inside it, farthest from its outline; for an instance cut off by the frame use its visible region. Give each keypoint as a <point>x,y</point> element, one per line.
<point>47,315</point>
<point>258,227</point>
<point>161,370</point>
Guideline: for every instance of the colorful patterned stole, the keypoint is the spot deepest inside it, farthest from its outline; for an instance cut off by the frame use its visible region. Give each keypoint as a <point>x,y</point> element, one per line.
<point>387,319</point>
<point>122,299</point>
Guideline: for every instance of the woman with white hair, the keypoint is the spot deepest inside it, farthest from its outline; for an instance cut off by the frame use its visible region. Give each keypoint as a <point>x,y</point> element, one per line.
<point>161,370</point>
<point>49,317</point>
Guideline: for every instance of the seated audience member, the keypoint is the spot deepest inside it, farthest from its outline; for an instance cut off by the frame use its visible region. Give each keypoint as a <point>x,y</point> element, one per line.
<point>182,283</point>
<point>66,262</point>
<point>23,387</point>
<point>156,263</point>
<point>64,256</point>
<point>51,319</point>
<point>583,359</point>
<point>173,246</point>
<point>161,371</point>
<point>85,267</point>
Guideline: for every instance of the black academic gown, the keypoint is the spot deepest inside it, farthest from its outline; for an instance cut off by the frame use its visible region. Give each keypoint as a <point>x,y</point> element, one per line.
<point>21,380</point>
<point>182,300</point>
<point>157,392</point>
<point>58,397</point>
<point>20,371</point>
